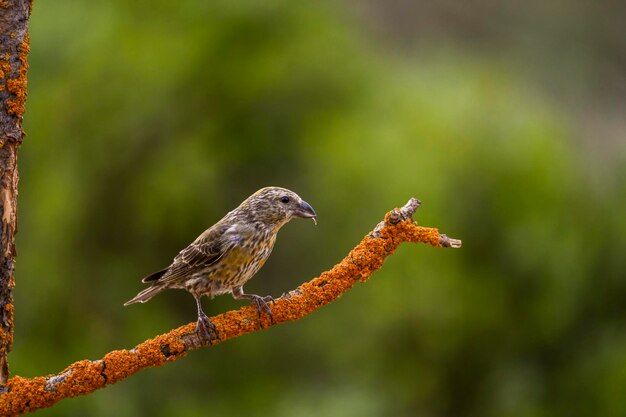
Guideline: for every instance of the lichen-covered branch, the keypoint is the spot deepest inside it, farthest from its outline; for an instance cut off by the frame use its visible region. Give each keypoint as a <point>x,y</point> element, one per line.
<point>14,49</point>
<point>87,376</point>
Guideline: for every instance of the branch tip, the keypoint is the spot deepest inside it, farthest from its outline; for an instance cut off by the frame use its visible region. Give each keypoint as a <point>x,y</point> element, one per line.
<point>448,242</point>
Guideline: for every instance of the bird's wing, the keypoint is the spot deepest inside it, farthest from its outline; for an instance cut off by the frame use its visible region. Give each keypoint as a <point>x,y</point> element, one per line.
<point>206,250</point>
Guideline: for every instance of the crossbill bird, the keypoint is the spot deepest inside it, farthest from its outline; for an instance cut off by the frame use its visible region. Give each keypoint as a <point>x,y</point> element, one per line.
<point>223,258</point>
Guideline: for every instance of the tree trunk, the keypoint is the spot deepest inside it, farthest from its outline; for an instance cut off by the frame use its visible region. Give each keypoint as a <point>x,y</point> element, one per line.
<point>14,49</point>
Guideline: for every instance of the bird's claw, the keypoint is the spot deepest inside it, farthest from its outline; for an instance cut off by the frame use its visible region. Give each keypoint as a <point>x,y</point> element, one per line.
<point>259,302</point>
<point>206,328</point>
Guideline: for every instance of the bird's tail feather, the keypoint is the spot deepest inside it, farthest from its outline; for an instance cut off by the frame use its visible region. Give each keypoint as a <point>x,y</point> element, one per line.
<point>155,276</point>
<point>146,294</point>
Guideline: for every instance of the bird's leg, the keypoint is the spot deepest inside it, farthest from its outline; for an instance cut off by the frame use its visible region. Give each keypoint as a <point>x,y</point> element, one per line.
<point>204,324</point>
<point>257,300</point>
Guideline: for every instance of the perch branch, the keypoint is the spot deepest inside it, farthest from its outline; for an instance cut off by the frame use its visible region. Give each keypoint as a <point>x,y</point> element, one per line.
<point>87,376</point>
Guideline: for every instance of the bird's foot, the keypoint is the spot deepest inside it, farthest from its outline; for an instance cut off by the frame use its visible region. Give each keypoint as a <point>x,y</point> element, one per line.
<point>261,302</point>
<point>206,328</point>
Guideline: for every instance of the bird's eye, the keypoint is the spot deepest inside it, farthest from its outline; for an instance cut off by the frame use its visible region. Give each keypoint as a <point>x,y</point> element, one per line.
<point>284,199</point>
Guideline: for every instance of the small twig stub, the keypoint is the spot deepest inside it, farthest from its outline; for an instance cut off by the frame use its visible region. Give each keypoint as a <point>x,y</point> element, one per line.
<point>397,215</point>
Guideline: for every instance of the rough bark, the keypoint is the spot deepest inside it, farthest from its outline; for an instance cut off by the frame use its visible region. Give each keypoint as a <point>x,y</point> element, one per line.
<point>86,376</point>
<point>14,49</point>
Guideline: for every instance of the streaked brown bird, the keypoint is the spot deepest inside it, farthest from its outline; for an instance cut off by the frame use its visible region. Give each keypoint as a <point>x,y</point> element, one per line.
<point>223,258</point>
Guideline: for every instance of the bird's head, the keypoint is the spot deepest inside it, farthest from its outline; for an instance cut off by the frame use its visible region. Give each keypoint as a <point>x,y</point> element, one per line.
<point>275,206</point>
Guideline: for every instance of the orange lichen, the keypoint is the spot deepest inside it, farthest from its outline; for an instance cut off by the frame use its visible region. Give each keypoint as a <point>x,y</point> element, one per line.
<point>5,67</point>
<point>86,376</point>
<point>17,86</point>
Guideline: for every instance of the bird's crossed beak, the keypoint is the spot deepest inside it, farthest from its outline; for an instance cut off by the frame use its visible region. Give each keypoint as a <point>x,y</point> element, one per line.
<point>306,211</point>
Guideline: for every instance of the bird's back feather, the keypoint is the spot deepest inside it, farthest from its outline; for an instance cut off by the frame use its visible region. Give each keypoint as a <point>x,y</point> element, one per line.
<point>205,251</point>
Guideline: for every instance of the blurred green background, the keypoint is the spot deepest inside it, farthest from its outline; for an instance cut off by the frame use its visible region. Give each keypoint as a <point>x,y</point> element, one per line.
<point>147,121</point>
